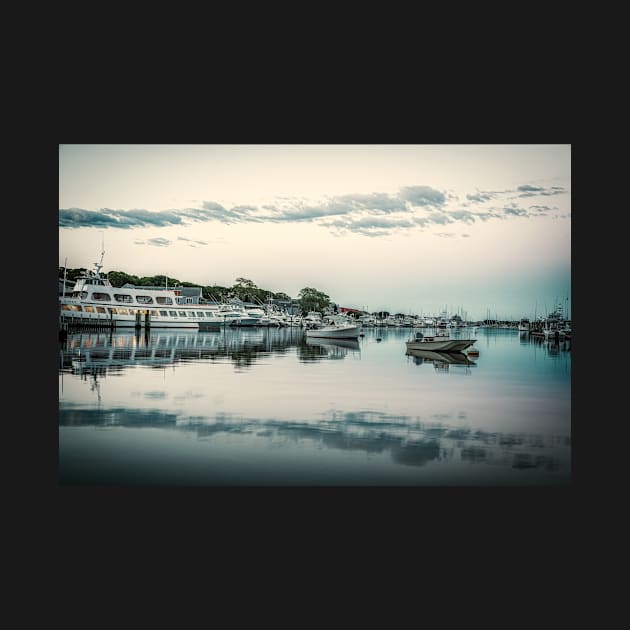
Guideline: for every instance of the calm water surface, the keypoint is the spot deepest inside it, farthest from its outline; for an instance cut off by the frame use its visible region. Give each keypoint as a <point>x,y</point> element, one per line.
<point>264,407</point>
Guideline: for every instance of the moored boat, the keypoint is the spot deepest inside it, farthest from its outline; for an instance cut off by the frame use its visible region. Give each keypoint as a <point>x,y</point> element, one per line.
<point>95,300</point>
<point>338,328</point>
<point>441,341</point>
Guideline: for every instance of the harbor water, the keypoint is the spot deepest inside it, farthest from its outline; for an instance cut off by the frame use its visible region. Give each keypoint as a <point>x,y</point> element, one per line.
<point>267,407</point>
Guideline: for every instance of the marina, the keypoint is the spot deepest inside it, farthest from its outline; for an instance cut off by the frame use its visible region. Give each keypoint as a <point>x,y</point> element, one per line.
<point>314,315</point>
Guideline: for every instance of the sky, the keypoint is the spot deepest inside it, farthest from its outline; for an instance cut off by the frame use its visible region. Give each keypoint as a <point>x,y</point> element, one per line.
<point>473,229</point>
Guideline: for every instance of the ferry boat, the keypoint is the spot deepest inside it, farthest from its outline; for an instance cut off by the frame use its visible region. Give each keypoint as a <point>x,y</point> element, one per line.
<point>94,299</point>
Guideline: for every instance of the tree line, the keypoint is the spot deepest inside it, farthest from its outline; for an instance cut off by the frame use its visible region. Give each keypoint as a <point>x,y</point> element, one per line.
<point>310,299</point>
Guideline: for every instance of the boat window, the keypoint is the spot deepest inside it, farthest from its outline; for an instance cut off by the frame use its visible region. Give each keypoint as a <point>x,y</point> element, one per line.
<point>163,300</point>
<point>103,297</point>
<point>84,295</point>
<point>153,312</point>
<point>144,299</point>
<point>189,300</point>
<point>100,309</point>
<point>209,314</point>
<point>164,313</point>
<point>199,313</point>
<point>76,307</point>
<point>182,313</point>
<point>191,314</point>
<point>88,309</point>
<point>123,297</point>
<point>122,311</point>
<point>173,313</point>
<point>65,307</point>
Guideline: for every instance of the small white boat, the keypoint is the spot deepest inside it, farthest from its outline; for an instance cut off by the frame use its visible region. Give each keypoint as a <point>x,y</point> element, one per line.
<point>336,329</point>
<point>441,342</point>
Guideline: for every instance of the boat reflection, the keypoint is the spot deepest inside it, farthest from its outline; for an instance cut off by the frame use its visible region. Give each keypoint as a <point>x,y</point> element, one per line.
<point>551,347</point>
<point>330,348</point>
<point>99,353</point>
<point>441,360</point>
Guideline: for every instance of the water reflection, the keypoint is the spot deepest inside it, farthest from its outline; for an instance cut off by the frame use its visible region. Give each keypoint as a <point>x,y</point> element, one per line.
<point>441,361</point>
<point>408,440</point>
<point>552,348</point>
<point>268,406</point>
<point>99,353</point>
<point>329,349</point>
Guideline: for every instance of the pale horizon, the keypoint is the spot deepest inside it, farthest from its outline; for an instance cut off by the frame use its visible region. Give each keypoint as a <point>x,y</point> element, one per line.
<point>403,228</point>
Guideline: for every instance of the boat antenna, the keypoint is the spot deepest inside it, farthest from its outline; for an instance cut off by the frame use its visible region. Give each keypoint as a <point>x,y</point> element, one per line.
<point>99,265</point>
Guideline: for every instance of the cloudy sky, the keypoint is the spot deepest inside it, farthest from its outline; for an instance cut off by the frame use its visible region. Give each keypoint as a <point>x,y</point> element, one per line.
<point>404,228</point>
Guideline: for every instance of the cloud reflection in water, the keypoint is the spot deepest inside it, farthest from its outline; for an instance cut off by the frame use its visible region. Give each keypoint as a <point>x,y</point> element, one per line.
<point>409,441</point>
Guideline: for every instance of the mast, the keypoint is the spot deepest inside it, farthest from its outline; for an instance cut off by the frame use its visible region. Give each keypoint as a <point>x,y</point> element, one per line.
<point>65,273</point>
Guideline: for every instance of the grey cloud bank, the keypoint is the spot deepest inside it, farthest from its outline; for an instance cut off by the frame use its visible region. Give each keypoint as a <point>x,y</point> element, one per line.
<point>420,206</point>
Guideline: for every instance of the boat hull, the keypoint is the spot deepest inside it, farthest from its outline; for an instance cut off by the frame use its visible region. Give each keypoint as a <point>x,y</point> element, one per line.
<point>442,345</point>
<point>334,332</point>
<point>119,321</point>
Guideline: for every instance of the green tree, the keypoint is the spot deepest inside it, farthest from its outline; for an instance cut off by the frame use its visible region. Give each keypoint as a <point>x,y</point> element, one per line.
<point>118,278</point>
<point>244,289</point>
<point>312,300</point>
<point>245,283</point>
<point>157,281</point>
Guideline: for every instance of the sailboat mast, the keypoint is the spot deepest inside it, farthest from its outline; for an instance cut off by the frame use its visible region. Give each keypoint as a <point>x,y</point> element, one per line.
<point>65,275</point>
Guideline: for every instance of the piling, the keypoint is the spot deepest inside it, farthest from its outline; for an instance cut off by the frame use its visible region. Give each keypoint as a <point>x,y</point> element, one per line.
<point>71,324</point>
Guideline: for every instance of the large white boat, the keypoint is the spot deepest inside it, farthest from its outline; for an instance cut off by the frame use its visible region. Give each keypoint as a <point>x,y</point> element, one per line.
<point>338,328</point>
<point>441,342</point>
<point>94,300</point>
<point>236,315</point>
